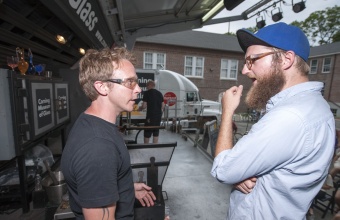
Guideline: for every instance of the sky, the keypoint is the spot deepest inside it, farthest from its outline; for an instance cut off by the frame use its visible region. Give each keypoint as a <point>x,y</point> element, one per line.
<point>288,14</point>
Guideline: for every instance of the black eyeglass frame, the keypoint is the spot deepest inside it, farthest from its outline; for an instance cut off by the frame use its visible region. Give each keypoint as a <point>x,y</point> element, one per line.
<point>133,81</point>
<point>253,57</point>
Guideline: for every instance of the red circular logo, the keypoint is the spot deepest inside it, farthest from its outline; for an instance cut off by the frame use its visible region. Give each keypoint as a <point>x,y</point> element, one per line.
<point>170,98</point>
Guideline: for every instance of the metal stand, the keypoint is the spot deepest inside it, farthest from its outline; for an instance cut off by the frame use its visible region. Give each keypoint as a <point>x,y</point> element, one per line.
<point>23,128</point>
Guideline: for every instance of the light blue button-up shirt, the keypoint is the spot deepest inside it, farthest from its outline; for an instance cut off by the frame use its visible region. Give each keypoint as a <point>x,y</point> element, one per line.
<point>289,150</point>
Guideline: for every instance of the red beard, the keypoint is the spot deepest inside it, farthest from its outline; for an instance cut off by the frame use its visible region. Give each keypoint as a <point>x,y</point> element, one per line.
<point>265,88</point>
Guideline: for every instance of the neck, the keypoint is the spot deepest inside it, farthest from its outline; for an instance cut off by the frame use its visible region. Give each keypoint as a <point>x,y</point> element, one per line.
<point>294,79</point>
<point>102,111</point>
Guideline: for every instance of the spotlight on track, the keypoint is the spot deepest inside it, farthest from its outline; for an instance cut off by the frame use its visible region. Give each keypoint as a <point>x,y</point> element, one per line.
<point>276,14</point>
<point>260,22</point>
<point>300,6</point>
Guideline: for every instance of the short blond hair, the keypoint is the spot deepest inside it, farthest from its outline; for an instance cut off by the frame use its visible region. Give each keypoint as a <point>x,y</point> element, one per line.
<point>98,65</point>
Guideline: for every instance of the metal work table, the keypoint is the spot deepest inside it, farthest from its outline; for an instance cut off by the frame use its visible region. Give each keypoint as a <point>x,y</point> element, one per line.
<point>142,128</point>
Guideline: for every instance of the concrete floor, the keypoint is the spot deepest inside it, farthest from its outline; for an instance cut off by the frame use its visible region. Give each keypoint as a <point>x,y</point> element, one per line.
<point>193,194</point>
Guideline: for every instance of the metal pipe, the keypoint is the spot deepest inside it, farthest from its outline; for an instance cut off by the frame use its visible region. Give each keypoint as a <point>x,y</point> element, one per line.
<point>244,15</point>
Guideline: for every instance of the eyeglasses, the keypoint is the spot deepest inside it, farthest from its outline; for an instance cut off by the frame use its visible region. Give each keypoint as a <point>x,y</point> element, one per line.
<point>252,58</point>
<point>128,82</point>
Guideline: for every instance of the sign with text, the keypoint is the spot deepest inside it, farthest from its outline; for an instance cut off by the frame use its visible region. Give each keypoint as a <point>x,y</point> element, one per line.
<point>170,98</point>
<point>62,102</point>
<point>42,101</point>
<point>44,110</point>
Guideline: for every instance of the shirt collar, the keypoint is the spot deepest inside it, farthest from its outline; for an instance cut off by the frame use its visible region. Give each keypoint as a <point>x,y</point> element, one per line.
<point>292,91</point>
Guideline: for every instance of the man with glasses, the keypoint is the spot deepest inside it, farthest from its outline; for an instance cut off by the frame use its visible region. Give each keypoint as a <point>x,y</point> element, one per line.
<point>282,163</point>
<point>95,161</point>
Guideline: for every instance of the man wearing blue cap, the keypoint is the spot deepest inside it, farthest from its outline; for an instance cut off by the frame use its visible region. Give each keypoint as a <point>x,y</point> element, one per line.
<point>281,164</point>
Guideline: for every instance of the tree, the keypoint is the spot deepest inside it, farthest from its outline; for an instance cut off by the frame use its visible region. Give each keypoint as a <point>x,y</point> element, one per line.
<point>336,37</point>
<point>252,29</point>
<point>230,33</point>
<point>322,27</point>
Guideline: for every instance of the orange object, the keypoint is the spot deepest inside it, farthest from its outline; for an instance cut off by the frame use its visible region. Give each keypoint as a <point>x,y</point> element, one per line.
<point>22,64</point>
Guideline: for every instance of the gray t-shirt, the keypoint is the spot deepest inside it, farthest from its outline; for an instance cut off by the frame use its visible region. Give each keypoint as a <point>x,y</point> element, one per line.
<point>97,169</point>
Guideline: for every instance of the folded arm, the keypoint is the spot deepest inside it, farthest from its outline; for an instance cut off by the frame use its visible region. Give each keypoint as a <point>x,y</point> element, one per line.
<point>246,186</point>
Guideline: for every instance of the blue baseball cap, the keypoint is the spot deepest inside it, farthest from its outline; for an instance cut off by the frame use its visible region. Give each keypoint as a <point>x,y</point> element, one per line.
<point>279,35</point>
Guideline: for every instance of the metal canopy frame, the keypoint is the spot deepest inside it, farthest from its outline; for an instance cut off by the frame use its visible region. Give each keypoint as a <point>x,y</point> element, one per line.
<point>96,23</point>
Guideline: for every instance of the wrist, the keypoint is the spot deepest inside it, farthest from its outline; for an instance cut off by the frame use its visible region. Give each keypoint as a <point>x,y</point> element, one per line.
<point>227,115</point>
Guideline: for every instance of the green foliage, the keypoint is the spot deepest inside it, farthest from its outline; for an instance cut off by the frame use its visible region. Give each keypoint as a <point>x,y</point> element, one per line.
<point>230,33</point>
<point>297,23</point>
<point>336,37</point>
<point>322,27</point>
<point>252,29</point>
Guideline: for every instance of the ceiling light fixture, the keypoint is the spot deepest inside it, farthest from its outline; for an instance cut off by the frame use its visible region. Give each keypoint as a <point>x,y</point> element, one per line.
<point>64,37</point>
<point>82,51</point>
<point>60,39</point>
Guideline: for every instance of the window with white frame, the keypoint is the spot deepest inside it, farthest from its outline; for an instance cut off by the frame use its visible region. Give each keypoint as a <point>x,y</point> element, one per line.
<point>326,67</point>
<point>313,66</point>
<point>194,66</point>
<point>154,60</point>
<point>229,69</point>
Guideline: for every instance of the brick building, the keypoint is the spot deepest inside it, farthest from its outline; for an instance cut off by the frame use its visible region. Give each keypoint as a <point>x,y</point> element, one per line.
<point>214,62</point>
<point>325,67</point>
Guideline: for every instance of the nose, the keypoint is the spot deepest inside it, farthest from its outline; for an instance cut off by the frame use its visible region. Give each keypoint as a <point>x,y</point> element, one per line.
<point>245,70</point>
<point>138,89</point>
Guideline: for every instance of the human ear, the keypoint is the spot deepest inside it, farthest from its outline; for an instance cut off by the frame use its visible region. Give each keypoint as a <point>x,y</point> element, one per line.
<point>101,88</point>
<point>288,59</point>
